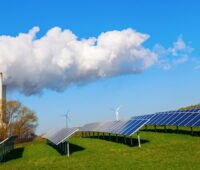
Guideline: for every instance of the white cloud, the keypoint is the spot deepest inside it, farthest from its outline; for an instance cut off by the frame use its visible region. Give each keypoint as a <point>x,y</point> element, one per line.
<point>179,53</point>
<point>178,45</point>
<point>59,59</point>
<point>180,48</point>
<point>182,59</point>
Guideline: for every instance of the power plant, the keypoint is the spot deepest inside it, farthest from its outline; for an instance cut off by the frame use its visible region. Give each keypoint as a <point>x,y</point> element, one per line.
<point>2,101</point>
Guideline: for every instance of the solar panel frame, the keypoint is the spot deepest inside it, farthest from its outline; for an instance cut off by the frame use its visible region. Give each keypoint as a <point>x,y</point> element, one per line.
<point>136,128</point>
<point>193,121</point>
<point>176,118</point>
<point>153,118</point>
<point>105,127</point>
<point>163,116</point>
<point>148,116</point>
<point>133,123</point>
<point>167,120</point>
<point>62,135</point>
<point>118,127</point>
<point>125,127</point>
<point>179,118</point>
<point>114,125</point>
<point>69,135</point>
<point>157,118</point>
<point>185,119</point>
<point>197,123</point>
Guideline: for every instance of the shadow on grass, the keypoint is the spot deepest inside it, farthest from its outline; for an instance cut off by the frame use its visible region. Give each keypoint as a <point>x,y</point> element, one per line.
<point>14,154</point>
<point>132,142</point>
<point>72,148</point>
<point>175,131</point>
<point>75,148</point>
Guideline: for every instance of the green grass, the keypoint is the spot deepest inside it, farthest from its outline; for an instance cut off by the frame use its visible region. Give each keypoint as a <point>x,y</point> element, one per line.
<point>160,151</point>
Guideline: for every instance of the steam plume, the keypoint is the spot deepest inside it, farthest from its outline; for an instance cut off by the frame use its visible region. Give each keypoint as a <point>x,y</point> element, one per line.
<point>59,59</point>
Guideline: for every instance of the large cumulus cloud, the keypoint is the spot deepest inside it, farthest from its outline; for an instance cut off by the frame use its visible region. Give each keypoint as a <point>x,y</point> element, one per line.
<point>59,59</point>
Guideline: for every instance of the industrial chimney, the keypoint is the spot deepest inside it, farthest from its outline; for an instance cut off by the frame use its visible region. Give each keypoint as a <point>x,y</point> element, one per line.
<point>2,100</point>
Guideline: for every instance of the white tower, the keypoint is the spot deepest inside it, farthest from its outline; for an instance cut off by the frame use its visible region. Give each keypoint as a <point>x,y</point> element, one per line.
<point>2,100</point>
<point>117,113</point>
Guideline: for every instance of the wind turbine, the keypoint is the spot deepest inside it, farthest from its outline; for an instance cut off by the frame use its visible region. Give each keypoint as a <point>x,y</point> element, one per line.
<point>116,110</point>
<point>67,118</point>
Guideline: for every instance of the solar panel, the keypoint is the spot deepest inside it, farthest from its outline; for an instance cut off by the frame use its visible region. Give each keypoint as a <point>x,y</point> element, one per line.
<point>134,127</point>
<point>62,135</point>
<point>149,116</point>
<point>190,117</point>
<point>193,121</point>
<point>120,127</point>
<point>184,121</point>
<point>174,118</point>
<point>6,146</point>
<point>124,127</point>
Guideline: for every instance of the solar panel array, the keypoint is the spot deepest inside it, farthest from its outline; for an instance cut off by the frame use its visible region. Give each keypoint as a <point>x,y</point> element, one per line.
<point>120,127</point>
<point>190,118</point>
<point>62,135</point>
<point>6,146</point>
<point>148,117</point>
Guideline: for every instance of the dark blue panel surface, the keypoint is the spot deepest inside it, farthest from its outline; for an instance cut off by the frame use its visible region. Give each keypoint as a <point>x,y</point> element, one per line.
<point>121,127</point>
<point>167,119</point>
<point>186,119</point>
<point>62,135</point>
<point>162,118</point>
<point>127,126</point>
<point>193,121</point>
<point>156,118</point>
<point>173,119</point>
<point>178,119</point>
<point>135,128</point>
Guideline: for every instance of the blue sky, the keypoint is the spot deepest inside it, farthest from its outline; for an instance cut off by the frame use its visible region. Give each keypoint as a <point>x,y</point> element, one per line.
<point>152,90</point>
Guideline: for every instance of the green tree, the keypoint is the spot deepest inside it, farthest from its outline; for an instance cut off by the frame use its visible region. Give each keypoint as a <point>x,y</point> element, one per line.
<point>190,107</point>
<point>20,120</point>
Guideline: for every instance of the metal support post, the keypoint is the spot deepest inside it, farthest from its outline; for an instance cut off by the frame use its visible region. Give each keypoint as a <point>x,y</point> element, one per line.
<point>67,148</point>
<point>62,147</point>
<point>131,140</point>
<point>138,135</point>
<point>125,139</point>
<point>176,129</point>
<point>191,130</point>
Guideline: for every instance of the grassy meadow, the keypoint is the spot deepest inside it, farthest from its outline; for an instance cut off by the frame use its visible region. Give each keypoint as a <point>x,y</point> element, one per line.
<point>159,151</point>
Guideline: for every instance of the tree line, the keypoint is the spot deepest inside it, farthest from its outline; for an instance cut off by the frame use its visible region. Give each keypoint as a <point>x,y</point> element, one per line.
<point>190,107</point>
<point>19,121</point>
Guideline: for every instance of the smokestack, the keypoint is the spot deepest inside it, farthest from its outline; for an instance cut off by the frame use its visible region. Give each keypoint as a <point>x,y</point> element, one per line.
<point>2,99</point>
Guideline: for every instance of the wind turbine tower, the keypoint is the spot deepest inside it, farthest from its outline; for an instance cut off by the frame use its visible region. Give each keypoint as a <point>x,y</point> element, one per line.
<point>67,119</point>
<point>116,110</point>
